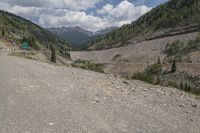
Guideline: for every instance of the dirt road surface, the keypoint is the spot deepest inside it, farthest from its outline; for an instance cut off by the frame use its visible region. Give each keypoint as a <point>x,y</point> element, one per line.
<point>38,97</point>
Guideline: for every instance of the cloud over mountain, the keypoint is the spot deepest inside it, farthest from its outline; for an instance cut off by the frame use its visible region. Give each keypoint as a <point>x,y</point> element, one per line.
<point>83,13</point>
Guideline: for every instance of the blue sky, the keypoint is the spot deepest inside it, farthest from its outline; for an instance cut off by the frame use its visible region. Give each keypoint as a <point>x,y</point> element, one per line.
<point>89,14</point>
<point>150,3</point>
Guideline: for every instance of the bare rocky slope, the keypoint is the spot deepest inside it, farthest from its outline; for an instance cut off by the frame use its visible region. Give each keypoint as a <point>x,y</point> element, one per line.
<point>128,59</point>
<point>144,52</point>
<point>40,97</point>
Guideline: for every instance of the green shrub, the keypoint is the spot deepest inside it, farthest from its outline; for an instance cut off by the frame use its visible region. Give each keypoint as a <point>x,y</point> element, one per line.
<point>151,74</point>
<point>3,33</point>
<point>173,69</point>
<point>53,54</point>
<point>158,62</point>
<point>172,84</point>
<point>178,50</point>
<point>88,65</point>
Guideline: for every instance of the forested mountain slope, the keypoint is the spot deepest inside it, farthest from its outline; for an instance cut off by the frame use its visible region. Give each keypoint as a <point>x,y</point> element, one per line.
<point>19,29</point>
<point>171,18</point>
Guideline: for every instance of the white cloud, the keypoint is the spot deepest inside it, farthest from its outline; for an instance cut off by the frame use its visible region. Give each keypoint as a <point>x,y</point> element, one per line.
<point>73,18</point>
<point>125,12</point>
<point>109,15</point>
<point>69,4</point>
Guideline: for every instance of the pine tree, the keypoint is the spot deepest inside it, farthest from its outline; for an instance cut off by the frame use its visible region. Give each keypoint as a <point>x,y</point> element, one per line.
<point>186,87</point>
<point>158,62</point>
<point>181,86</point>
<point>53,54</point>
<point>3,33</point>
<point>174,68</point>
<point>189,88</point>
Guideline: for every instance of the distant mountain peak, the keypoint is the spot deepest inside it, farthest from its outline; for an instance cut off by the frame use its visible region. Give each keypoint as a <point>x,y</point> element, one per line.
<point>63,29</point>
<point>78,36</point>
<point>106,30</point>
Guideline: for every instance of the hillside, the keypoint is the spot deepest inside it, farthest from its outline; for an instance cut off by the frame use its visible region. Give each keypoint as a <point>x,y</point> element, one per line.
<point>168,19</point>
<point>129,60</point>
<point>106,30</point>
<point>19,29</point>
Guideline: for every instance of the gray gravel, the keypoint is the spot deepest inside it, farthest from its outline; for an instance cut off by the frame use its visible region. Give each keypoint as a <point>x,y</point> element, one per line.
<point>38,97</point>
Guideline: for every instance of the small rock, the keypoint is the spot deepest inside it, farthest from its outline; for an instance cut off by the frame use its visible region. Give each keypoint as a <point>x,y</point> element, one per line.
<point>98,95</point>
<point>96,101</point>
<point>144,89</point>
<point>181,106</point>
<point>51,124</point>
<point>194,105</point>
<point>125,82</point>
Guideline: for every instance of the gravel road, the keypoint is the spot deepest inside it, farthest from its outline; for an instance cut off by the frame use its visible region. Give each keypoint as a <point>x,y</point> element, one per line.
<point>38,97</point>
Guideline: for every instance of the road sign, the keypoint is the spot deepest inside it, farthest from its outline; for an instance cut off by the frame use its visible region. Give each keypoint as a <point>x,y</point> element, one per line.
<point>25,45</point>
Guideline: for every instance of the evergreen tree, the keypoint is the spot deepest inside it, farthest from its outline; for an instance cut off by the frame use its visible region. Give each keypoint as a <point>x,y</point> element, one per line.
<point>181,86</point>
<point>53,54</point>
<point>186,87</point>
<point>189,88</point>
<point>174,68</point>
<point>158,62</point>
<point>3,33</point>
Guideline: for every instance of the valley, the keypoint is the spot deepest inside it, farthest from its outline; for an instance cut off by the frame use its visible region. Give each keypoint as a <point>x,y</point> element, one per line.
<point>78,37</point>
<point>136,69</point>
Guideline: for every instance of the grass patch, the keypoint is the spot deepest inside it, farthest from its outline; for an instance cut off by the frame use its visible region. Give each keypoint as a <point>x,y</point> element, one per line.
<point>29,54</point>
<point>154,74</point>
<point>151,74</point>
<point>87,65</point>
<point>177,50</point>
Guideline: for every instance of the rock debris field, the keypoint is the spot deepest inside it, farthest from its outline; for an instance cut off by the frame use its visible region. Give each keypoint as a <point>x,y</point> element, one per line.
<point>37,97</point>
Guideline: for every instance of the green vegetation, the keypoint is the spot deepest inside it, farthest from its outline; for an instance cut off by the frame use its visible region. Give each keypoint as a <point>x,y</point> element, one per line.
<point>3,33</point>
<point>173,69</point>
<point>32,41</point>
<point>177,50</point>
<point>151,74</point>
<point>172,14</point>
<point>27,54</point>
<point>88,66</point>
<point>18,29</point>
<point>158,62</point>
<point>53,54</point>
<point>64,52</point>
<point>155,74</point>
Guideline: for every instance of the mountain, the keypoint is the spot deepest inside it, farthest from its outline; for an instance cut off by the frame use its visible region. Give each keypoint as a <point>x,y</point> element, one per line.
<point>63,30</point>
<point>19,29</point>
<point>105,31</point>
<point>79,37</point>
<point>74,35</point>
<point>168,19</point>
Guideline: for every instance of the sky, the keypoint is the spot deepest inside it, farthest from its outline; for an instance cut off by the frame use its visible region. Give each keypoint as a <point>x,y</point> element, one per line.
<point>91,15</point>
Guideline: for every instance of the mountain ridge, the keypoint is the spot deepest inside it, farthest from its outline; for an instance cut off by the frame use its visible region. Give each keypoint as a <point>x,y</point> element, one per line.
<point>79,37</point>
<point>162,20</point>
